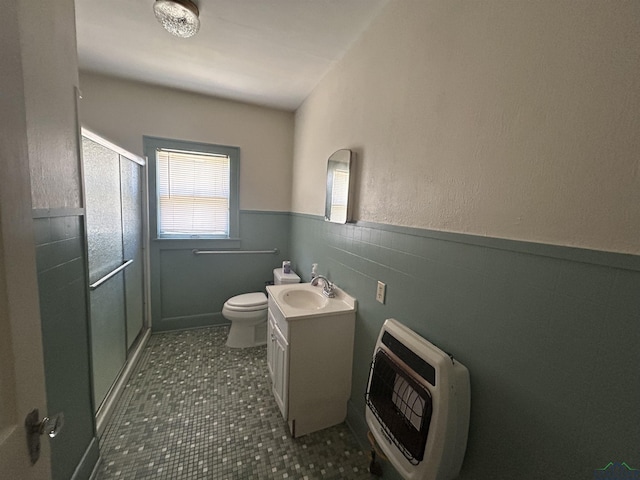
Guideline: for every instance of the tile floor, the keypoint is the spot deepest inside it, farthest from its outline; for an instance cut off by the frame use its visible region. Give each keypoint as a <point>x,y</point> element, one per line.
<point>195,409</point>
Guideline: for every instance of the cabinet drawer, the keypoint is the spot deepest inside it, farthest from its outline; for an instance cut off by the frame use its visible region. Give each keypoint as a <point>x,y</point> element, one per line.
<point>278,319</point>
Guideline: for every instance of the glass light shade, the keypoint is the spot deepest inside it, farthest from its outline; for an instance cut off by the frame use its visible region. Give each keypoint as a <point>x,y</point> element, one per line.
<point>178,17</point>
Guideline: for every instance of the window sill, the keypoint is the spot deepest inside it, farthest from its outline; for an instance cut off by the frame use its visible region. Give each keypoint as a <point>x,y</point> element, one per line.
<point>178,243</point>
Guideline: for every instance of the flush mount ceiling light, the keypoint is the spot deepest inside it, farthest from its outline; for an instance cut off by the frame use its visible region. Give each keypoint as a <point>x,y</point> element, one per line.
<point>178,17</point>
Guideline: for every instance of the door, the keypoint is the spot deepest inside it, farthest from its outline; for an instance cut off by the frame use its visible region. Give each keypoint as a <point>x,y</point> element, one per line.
<point>115,237</point>
<point>131,180</point>
<point>271,346</point>
<point>21,359</point>
<point>21,364</point>
<point>281,372</point>
<point>105,256</point>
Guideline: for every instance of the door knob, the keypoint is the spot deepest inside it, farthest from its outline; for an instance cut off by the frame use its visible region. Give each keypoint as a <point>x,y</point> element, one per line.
<point>51,425</point>
<point>36,427</point>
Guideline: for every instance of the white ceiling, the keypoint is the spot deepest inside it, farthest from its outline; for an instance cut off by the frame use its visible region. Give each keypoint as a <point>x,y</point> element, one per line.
<point>267,52</point>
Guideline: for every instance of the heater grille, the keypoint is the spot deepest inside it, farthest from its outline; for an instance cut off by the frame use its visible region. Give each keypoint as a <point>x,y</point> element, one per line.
<point>402,406</point>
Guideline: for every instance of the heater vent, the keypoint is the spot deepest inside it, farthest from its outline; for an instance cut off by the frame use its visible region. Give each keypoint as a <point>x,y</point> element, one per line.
<point>413,361</point>
<point>401,405</point>
<point>417,405</point>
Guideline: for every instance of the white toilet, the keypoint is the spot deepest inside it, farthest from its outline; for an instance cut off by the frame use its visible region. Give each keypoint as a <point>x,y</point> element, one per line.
<point>248,314</point>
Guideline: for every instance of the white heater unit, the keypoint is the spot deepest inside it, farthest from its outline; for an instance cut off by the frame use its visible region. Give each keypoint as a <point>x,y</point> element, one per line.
<point>417,405</point>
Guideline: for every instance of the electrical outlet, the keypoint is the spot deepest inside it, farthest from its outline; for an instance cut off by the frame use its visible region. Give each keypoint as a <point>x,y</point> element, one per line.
<point>380,292</point>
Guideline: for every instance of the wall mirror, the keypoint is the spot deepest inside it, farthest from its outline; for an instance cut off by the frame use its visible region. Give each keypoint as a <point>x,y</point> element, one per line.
<point>338,203</point>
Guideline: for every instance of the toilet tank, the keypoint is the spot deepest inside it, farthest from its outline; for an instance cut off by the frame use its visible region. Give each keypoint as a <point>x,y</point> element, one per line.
<point>281,278</point>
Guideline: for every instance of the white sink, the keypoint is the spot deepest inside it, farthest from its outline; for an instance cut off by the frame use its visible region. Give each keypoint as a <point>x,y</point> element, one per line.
<point>306,299</point>
<point>302,300</point>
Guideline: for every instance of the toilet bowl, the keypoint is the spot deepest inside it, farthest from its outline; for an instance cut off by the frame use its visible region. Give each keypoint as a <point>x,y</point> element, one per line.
<point>248,314</point>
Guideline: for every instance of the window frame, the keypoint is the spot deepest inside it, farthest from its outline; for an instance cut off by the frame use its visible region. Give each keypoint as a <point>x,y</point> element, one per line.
<point>151,145</point>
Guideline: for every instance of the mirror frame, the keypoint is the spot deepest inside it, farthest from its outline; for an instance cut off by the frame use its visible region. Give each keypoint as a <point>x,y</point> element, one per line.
<point>342,161</point>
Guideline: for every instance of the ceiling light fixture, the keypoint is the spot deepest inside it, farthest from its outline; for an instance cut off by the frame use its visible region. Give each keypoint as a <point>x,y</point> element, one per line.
<point>178,17</point>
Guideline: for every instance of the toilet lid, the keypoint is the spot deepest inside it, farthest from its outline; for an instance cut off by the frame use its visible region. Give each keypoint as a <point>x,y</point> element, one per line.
<point>248,300</point>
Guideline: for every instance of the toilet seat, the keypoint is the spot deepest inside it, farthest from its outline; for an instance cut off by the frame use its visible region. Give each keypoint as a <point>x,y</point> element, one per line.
<point>247,302</point>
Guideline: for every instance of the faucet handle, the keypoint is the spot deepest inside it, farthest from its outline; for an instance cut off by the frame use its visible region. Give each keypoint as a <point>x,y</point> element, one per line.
<point>327,289</point>
<point>327,286</point>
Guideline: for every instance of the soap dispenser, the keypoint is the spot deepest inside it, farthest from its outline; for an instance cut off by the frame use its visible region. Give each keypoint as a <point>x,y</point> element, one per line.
<point>314,270</point>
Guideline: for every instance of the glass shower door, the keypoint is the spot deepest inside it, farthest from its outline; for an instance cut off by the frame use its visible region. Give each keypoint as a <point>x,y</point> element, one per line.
<point>105,255</point>
<point>131,188</point>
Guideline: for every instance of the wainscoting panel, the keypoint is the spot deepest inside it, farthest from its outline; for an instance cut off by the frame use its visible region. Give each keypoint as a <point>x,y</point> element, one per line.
<point>62,284</point>
<point>550,336</point>
<point>189,290</point>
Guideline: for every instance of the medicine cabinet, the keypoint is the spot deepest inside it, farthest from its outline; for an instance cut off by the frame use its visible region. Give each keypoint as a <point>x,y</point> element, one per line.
<point>338,202</point>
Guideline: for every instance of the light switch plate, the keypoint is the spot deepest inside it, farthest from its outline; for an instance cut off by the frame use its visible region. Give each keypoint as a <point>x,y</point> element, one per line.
<point>380,292</point>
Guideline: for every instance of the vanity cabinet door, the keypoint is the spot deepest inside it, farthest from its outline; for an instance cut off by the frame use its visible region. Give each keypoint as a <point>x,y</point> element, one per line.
<point>281,371</point>
<point>271,346</point>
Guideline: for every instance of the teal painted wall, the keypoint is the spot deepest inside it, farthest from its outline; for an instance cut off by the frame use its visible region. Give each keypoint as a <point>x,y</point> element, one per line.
<point>189,290</point>
<point>549,334</point>
<point>62,283</point>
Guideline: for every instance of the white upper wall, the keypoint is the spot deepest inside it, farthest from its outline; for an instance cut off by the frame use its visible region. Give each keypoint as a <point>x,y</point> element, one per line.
<point>509,119</point>
<point>123,111</point>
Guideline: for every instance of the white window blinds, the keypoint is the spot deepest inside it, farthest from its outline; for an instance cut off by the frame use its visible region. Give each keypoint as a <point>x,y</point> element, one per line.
<point>193,191</point>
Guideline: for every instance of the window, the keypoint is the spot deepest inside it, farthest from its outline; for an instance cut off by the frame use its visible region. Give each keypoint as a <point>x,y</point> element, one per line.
<point>194,189</point>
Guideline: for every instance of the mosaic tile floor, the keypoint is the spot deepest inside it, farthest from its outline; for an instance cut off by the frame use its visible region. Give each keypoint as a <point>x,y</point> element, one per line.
<point>195,409</point>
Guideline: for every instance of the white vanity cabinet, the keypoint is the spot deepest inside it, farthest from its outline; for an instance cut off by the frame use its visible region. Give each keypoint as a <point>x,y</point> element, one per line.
<point>310,357</point>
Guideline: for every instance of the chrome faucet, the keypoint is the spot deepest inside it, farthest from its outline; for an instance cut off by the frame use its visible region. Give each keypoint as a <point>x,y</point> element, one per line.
<point>327,286</point>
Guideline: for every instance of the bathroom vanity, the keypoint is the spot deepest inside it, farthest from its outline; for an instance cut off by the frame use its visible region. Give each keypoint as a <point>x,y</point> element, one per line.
<point>310,355</point>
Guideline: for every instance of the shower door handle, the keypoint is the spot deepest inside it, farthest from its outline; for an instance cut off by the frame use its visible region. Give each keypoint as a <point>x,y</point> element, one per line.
<point>111,274</point>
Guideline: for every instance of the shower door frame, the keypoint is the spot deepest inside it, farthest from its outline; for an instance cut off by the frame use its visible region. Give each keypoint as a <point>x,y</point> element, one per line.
<point>133,352</point>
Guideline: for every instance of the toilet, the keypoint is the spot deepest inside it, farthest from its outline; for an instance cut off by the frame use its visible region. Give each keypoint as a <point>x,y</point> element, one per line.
<point>248,314</point>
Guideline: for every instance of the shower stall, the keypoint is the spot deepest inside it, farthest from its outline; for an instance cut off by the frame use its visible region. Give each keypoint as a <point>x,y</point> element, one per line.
<point>114,187</point>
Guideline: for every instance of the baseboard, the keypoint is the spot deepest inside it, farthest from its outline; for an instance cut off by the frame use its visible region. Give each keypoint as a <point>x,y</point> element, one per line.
<point>358,425</point>
<point>190,321</point>
<point>88,466</point>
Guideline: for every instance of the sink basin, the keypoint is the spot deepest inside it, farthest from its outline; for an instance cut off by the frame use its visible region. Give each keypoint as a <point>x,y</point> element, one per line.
<point>304,299</point>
